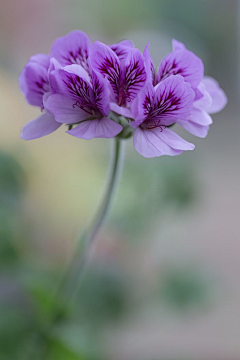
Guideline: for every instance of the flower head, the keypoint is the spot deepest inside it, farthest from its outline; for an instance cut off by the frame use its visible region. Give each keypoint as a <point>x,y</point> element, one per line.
<point>91,87</point>
<point>80,100</point>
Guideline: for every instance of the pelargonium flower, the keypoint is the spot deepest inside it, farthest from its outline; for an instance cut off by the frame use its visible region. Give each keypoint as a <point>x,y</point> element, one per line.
<point>123,66</point>
<point>34,84</point>
<point>80,100</point>
<point>84,86</point>
<point>179,62</point>
<point>182,61</point>
<point>154,109</point>
<point>209,99</point>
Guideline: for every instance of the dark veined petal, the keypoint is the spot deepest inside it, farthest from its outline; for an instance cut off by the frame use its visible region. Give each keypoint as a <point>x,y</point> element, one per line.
<point>104,60</point>
<point>74,86</point>
<point>133,76</point>
<point>72,48</point>
<point>101,93</point>
<point>173,99</point>
<point>97,128</point>
<point>33,79</point>
<point>43,125</point>
<point>143,104</point>
<point>184,63</point>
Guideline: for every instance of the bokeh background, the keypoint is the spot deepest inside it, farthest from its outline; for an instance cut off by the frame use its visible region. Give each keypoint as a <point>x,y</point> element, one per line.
<point>164,279</point>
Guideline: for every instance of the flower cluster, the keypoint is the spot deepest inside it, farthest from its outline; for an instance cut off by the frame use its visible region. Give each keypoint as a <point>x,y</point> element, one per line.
<point>92,88</point>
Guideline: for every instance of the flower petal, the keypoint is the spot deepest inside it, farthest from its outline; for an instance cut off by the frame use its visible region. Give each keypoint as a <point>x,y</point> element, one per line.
<point>149,144</point>
<point>98,128</point>
<point>101,93</point>
<point>182,62</point>
<point>219,98</point>
<point>133,77</point>
<point>149,65</point>
<point>194,128</point>
<point>121,49</point>
<point>173,100</point>
<point>200,117</point>
<point>71,85</point>
<point>142,105</point>
<point>202,100</point>
<point>127,113</point>
<point>173,140</point>
<point>65,110</point>
<point>43,125</point>
<point>33,79</point>
<point>177,45</point>
<point>72,48</point>
<point>104,60</point>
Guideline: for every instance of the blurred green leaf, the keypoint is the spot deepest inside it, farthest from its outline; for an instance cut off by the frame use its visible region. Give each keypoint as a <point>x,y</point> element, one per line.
<point>184,288</point>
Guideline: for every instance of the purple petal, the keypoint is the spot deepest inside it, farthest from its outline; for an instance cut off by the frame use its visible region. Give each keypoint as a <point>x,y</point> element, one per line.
<point>43,125</point>
<point>64,109</point>
<point>156,142</point>
<point>219,98</point>
<point>202,100</point>
<point>33,79</point>
<point>181,62</point>
<point>200,117</point>
<point>104,60</point>
<point>149,65</point>
<point>142,105</point>
<point>54,65</point>
<point>121,49</point>
<point>194,128</point>
<point>101,93</point>
<point>74,87</point>
<point>72,48</point>
<point>133,76</point>
<point>99,128</point>
<point>173,140</point>
<point>127,113</point>
<point>173,100</point>
<point>40,59</point>
<point>177,45</point>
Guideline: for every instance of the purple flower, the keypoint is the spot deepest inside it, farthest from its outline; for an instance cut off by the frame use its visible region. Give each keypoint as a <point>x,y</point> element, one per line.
<point>123,66</point>
<point>179,62</point>
<point>154,109</point>
<point>83,85</point>
<point>209,99</point>
<point>34,84</point>
<point>80,100</point>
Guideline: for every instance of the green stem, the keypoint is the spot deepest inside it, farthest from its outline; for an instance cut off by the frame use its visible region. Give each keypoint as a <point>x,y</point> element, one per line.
<point>74,275</point>
<point>79,265</point>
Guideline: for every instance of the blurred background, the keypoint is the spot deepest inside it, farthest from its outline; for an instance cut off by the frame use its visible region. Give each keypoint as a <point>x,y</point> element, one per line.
<point>164,280</point>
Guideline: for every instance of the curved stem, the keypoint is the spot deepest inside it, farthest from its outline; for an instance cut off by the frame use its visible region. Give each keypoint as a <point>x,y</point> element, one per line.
<point>72,279</point>
<point>79,264</point>
<point>75,272</point>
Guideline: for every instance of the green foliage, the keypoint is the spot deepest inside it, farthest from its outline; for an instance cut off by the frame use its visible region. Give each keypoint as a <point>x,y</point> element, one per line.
<point>184,288</point>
